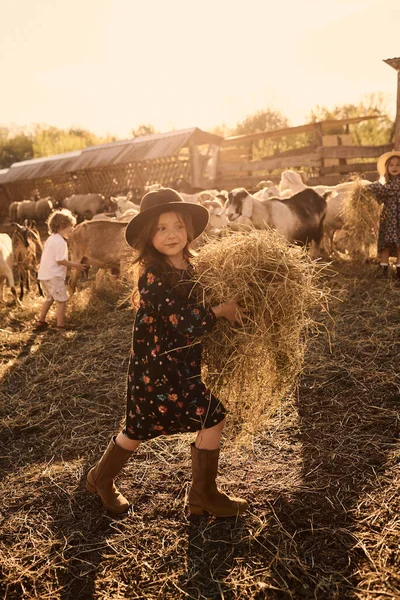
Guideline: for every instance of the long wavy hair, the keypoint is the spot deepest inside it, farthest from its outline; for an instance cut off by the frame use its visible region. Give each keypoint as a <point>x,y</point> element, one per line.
<point>147,255</point>
<point>387,175</point>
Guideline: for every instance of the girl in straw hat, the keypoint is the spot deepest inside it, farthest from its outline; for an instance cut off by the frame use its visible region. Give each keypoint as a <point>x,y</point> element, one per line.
<point>389,194</point>
<point>165,392</point>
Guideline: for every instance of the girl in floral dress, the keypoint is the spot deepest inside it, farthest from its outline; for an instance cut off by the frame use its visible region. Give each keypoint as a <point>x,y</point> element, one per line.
<point>389,226</point>
<point>165,392</point>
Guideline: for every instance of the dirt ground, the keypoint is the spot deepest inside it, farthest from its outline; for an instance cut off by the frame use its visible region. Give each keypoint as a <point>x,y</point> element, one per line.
<point>322,476</point>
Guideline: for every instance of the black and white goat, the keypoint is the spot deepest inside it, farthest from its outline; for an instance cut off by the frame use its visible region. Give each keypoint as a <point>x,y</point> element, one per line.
<point>300,218</point>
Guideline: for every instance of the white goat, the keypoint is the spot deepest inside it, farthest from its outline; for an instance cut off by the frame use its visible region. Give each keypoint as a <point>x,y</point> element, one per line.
<point>6,267</point>
<point>266,189</point>
<point>122,204</point>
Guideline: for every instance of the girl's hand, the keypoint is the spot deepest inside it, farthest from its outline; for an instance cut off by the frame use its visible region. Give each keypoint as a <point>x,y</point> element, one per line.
<point>230,311</point>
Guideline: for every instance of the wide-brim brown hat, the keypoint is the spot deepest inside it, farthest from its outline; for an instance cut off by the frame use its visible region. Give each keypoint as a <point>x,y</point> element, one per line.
<point>382,160</point>
<point>165,200</point>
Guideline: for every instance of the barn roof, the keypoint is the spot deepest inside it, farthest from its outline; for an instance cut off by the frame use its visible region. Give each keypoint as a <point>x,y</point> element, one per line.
<point>146,147</point>
<point>39,167</point>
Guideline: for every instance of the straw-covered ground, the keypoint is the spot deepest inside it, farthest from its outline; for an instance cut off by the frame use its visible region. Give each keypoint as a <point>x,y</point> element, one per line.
<point>321,476</point>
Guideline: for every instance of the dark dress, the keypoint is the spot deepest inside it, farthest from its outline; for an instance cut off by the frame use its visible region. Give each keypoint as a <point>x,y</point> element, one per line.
<point>389,224</point>
<point>165,392</point>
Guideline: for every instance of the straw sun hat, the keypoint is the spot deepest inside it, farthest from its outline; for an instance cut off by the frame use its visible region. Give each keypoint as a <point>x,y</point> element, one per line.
<point>165,200</point>
<point>382,160</point>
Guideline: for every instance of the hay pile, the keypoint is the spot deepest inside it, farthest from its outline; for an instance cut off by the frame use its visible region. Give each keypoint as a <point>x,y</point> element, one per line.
<point>361,214</point>
<point>251,368</point>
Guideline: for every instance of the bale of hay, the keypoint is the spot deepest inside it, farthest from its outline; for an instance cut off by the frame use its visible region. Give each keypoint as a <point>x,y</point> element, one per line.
<point>254,366</point>
<point>361,214</point>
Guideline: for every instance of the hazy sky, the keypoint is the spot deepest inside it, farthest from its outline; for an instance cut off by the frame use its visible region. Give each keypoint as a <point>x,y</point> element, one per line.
<point>111,65</point>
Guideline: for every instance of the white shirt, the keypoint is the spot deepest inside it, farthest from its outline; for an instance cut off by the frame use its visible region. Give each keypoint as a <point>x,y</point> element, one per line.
<point>54,249</point>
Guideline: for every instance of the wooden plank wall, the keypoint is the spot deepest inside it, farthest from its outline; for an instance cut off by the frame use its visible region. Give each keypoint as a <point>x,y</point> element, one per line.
<point>235,170</point>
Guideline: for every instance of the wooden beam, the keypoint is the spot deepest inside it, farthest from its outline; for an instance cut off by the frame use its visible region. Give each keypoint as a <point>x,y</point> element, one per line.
<point>294,152</point>
<point>309,127</point>
<point>397,122</point>
<point>269,164</point>
<point>213,162</point>
<point>395,63</point>
<point>352,168</point>
<point>231,183</point>
<point>353,151</point>
<point>335,178</point>
<point>195,164</point>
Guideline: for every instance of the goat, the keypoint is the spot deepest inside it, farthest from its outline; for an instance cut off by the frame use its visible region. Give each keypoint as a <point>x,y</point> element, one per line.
<point>6,267</point>
<point>25,247</point>
<point>291,183</point>
<point>122,203</point>
<point>85,205</point>
<point>99,244</point>
<point>299,218</point>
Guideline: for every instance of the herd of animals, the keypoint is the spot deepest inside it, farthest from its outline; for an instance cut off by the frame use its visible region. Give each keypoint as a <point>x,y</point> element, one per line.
<point>303,214</point>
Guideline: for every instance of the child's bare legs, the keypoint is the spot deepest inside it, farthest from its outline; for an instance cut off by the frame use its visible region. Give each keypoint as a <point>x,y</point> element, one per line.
<point>398,264</point>
<point>384,256</point>
<point>45,309</point>
<point>209,439</point>
<point>60,313</point>
<point>127,444</point>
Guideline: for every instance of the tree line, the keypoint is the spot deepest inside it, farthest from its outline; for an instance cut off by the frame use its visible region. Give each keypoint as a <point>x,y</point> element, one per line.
<point>18,144</point>
<point>22,143</point>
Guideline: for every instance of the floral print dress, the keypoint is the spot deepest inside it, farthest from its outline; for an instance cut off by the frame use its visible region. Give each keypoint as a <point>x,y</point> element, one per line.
<point>165,393</point>
<point>389,225</point>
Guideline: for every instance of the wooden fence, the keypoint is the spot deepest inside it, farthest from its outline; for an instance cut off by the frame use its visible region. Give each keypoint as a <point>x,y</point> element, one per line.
<point>323,162</point>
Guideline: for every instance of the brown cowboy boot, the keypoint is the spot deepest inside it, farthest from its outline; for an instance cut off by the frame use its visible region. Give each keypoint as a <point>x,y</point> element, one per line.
<point>100,479</point>
<point>204,496</point>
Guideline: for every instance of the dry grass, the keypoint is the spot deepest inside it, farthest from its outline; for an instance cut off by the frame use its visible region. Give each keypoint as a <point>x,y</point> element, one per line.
<point>322,476</point>
<point>361,215</point>
<point>254,366</point>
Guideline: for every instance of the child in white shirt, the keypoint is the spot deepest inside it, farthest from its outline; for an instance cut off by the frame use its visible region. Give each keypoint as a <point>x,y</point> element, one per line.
<point>53,267</point>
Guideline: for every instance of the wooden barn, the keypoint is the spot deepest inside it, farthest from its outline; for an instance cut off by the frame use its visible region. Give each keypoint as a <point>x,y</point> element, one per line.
<point>115,168</point>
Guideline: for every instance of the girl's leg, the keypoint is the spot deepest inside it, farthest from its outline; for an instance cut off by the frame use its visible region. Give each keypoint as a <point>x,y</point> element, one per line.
<point>100,479</point>
<point>60,313</point>
<point>384,263</point>
<point>204,495</point>
<point>209,439</point>
<point>384,256</point>
<point>398,264</point>
<point>127,444</point>
<point>45,309</point>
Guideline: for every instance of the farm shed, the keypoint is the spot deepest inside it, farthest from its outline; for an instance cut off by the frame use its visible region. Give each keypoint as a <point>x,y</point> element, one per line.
<point>116,167</point>
<point>328,158</point>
